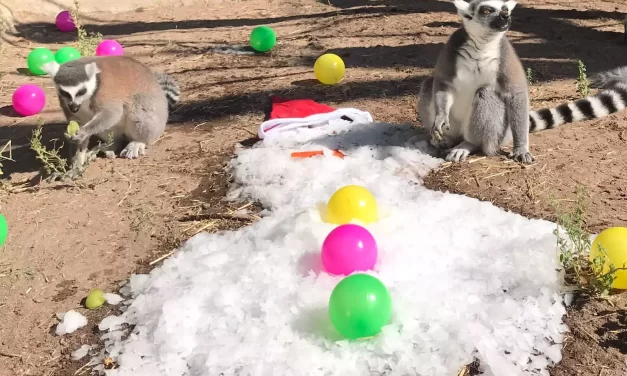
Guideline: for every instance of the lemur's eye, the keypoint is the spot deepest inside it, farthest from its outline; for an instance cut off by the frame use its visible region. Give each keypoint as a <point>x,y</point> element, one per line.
<point>486,11</point>
<point>81,92</point>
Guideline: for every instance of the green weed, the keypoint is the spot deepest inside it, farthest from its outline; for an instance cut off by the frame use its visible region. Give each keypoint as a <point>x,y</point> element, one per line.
<point>573,246</point>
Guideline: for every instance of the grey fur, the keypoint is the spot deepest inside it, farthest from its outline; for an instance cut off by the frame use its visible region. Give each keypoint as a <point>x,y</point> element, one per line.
<point>477,98</point>
<point>608,79</point>
<point>114,96</point>
<point>72,74</point>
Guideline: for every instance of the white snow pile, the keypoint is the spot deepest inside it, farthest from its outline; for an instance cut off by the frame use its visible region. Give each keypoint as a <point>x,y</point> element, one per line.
<point>467,279</point>
<point>70,322</point>
<point>113,299</point>
<point>81,352</point>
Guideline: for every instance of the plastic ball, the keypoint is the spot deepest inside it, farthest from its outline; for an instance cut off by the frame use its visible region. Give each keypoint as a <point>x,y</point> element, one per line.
<point>352,202</point>
<point>37,58</point>
<point>329,69</point>
<point>262,38</point>
<point>4,230</point>
<point>359,306</point>
<point>29,100</point>
<point>109,47</point>
<point>66,54</point>
<point>95,299</point>
<point>347,249</point>
<point>65,22</point>
<point>614,243</point>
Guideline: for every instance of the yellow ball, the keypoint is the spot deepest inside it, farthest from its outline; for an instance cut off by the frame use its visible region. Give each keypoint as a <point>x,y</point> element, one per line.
<point>329,69</point>
<point>352,202</point>
<point>614,242</point>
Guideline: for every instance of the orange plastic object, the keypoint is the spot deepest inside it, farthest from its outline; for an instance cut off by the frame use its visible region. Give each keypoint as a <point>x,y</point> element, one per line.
<point>309,154</point>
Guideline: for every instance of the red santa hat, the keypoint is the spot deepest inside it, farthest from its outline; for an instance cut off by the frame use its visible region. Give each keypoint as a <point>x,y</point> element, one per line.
<point>297,113</point>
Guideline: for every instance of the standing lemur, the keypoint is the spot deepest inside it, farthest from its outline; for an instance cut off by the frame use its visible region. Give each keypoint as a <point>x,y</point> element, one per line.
<point>114,95</point>
<point>477,98</point>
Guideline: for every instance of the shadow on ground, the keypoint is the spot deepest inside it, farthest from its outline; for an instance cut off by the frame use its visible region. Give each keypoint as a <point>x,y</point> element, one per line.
<point>383,139</point>
<point>25,159</point>
<point>563,38</point>
<point>27,30</point>
<point>614,332</point>
<point>254,102</point>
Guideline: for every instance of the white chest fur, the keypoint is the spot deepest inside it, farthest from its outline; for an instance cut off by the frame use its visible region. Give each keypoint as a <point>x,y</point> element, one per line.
<point>477,65</point>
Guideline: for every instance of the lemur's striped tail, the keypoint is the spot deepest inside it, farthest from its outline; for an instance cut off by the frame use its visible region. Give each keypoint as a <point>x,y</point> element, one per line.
<point>611,98</point>
<point>170,88</point>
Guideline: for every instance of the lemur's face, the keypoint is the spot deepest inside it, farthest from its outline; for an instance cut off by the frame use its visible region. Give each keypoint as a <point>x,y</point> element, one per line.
<point>74,92</point>
<point>76,82</point>
<point>486,16</point>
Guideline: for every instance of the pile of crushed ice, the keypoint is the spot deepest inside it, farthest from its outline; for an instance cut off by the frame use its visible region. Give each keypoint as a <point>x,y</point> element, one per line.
<point>467,279</point>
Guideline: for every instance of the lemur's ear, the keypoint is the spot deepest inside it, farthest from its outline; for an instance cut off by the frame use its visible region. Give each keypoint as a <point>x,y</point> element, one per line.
<point>462,8</point>
<point>51,68</point>
<point>91,69</point>
<point>510,5</point>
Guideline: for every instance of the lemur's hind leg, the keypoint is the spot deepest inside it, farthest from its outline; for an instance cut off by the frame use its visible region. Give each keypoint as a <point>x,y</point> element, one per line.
<point>486,129</point>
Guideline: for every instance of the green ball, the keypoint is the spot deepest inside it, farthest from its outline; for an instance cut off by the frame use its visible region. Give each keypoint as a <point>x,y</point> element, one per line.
<point>262,38</point>
<point>360,305</point>
<point>95,299</point>
<point>66,54</point>
<point>37,58</point>
<point>4,230</point>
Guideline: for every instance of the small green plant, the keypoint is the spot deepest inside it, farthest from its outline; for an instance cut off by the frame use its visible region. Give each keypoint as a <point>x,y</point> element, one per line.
<point>57,167</point>
<point>529,74</point>
<point>87,42</point>
<point>5,148</point>
<point>583,85</point>
<point>51,159</point>
<point>573,250</point>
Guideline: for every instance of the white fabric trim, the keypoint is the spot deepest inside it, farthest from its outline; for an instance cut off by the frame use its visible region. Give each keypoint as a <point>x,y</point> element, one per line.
<point>317,120</point>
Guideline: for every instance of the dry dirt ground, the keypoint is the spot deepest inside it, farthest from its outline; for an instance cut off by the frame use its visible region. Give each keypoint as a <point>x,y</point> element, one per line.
<point>67,238</point>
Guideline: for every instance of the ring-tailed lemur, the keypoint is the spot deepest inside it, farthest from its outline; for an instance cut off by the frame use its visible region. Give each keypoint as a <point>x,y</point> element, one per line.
<point>477,98</point>
<point>611,98</point>
<point>115,94</point>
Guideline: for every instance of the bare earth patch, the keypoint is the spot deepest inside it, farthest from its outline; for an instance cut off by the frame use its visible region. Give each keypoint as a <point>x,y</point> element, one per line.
<point>67,238</point>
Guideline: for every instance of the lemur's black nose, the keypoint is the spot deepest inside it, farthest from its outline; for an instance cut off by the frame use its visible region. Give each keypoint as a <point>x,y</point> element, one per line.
<point>505,15</point>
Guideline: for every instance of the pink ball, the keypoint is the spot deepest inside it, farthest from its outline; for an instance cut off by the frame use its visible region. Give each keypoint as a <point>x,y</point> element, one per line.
<point>29,100</point>
<point>109,47</point>
<point>349,248</point>
<point>65,22</point>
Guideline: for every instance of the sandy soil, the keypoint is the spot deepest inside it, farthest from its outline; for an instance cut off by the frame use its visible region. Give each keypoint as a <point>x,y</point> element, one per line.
<point>67,238</point>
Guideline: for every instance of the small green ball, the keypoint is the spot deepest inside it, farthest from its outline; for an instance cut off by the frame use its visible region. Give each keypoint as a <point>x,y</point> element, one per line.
<point>95,299</point>
<point>37,58</point>
<point>4,230</point>
<point>360,306</point>
<point>262,38</point>
<point>66,54</point>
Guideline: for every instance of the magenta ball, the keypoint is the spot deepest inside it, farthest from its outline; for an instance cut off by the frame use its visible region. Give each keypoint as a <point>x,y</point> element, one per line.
<point>65,22</point>
<point>109,48</point>
<point>347,249</point>
<point>29,100</point>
